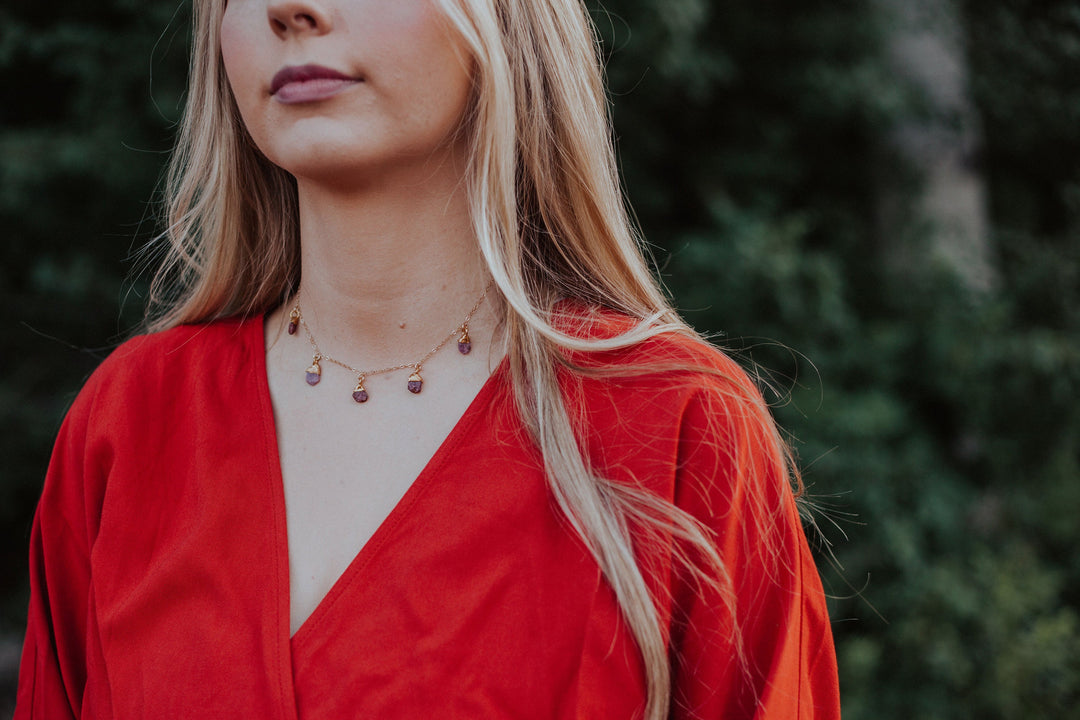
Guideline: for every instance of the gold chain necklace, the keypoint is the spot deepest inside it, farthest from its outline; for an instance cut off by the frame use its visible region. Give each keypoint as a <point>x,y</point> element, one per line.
<point>360,394</point>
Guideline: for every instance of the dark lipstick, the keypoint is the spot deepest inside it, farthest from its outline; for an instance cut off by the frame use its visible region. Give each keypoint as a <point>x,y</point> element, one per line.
<point>308,83</point>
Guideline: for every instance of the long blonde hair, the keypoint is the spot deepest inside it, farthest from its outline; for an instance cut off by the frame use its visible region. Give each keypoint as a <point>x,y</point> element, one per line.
<point>551,222</point>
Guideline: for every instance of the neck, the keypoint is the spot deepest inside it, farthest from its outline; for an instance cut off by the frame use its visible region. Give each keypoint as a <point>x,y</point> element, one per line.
<point>389,267</point>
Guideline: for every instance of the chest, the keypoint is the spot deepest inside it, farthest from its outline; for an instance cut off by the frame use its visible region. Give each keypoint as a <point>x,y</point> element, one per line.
<point>346,466</point>
<point>470,600</point>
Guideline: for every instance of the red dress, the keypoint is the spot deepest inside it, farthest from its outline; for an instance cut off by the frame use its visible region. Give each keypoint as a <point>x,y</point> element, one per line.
<point>160,579</point>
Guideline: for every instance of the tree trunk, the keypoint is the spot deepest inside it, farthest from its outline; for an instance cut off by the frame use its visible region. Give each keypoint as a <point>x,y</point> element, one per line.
<point>949,214</point>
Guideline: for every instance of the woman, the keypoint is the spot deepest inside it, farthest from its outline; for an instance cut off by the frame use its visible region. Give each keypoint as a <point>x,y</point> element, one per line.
<point>296,499</point>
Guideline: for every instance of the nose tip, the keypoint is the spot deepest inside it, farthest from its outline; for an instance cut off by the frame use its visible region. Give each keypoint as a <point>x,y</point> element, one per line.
<point>298,17</point>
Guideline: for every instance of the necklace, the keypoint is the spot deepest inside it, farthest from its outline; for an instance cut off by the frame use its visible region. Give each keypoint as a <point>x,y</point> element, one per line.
<point>360,394</point>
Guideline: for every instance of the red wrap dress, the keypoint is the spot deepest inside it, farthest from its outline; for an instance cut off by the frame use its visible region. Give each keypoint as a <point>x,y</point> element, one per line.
<point>160,578</point>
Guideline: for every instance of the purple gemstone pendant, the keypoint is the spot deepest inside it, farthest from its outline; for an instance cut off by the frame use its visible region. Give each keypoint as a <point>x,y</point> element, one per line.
<point>314,373</point>
<point>294,320</point>
<point>464,344</point>
<point>360,395</point>
<point>416,383</point>
<point>292,328</point>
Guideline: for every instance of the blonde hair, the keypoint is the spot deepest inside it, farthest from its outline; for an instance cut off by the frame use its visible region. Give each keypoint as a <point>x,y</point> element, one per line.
<point>551,223</point>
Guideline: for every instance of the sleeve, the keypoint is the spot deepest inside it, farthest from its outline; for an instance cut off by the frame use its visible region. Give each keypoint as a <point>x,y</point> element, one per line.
<point>758,644</point>
<point>60,645</point>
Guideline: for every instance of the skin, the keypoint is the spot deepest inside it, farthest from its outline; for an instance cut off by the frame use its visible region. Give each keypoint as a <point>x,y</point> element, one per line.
<point>390,262</point>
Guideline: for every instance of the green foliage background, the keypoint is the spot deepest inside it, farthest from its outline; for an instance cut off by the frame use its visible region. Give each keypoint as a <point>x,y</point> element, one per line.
<point>937,425</point>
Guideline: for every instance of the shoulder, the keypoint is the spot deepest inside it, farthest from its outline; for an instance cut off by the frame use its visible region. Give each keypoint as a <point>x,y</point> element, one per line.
<point>133,405</point>
<point>178,347</point>
<point>150,390</point>
<point>148,375</point>
<point>672,361</point>
<point>171,356</point>
<point>671,400</point>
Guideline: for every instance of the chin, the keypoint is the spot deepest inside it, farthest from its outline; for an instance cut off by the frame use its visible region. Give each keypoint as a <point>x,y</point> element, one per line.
<point>352,166</point>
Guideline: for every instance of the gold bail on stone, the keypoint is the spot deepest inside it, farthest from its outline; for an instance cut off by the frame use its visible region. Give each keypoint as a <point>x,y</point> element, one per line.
<point>464,344</point>
<point>360,395</point>
<point>416,383</point>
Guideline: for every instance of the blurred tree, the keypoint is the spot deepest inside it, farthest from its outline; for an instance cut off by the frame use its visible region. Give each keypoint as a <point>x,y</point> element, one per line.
<point>926,41</point>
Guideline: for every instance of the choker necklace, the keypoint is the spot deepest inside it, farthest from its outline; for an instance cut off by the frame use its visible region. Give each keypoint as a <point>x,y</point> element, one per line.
<point>415,383</point>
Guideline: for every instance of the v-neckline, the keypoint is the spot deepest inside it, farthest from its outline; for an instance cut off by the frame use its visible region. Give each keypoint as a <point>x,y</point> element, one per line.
<point>385,529</point>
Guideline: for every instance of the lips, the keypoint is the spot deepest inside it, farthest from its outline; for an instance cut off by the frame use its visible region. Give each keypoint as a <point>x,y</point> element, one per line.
<point>308,83</point>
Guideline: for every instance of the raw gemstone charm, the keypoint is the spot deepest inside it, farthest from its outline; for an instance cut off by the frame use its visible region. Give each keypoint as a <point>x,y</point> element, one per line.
<point>294,320</point>
<point>416,383</point>
<point>360,395</point>
<point>314,373</point>
<point>464,344</point>
<point>292,327</point>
